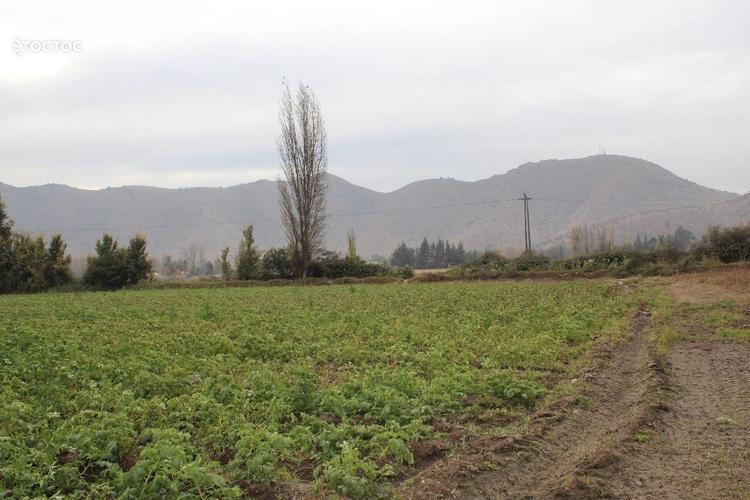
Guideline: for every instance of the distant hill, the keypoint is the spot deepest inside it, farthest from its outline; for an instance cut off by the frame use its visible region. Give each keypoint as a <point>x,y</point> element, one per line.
<point>697,218</point>
<point>636,196</point>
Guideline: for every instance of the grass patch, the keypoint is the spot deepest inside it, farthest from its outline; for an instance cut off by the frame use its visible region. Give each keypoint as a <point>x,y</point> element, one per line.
<point>642,437</point>
<point>734,333</point>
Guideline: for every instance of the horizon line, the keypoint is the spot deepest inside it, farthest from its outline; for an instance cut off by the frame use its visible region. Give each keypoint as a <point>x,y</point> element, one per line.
<point>125,186</point>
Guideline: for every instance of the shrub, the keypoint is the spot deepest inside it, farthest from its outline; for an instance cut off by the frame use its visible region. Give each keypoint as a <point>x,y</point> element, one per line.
<point>331,265</point>
<point>57,264</point>
<point>27,265</point>
<point>276,264</point>
<point>406,272</point>
<point>487,262</point>
<point>530,261</point>
<point>114,267</point>
<point>730,244</point>
<point>225,265</point>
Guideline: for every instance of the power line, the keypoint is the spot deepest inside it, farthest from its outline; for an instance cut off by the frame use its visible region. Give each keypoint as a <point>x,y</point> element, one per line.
<point>352,214</point>
<point>610,201</point>
<point>256,221</point>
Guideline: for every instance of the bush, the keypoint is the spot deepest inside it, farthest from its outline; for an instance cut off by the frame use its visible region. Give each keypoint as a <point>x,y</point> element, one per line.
<point>331,265</point>
<point>629,261</point>
<point>404,272</point>
<point>731,244</point>
<point>114,267</point>
<point>27,265</point>
<point>493,262</point>
<point>486,263</point>
<point>530,261</point>
<point>276,264</point>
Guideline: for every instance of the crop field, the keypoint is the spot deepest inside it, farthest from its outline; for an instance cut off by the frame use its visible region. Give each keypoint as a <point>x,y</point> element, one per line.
<point>246,391</point>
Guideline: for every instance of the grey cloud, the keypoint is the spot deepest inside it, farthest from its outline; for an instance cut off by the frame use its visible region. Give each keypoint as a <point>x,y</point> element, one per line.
<point>408,90</point>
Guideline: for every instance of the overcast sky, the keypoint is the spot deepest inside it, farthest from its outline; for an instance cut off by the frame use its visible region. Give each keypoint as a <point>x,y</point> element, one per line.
<point>186,93</point>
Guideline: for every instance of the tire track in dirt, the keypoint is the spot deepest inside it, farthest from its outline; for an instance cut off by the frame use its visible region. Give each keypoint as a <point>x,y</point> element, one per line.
<point>702,448</point>
<point>557,456</point>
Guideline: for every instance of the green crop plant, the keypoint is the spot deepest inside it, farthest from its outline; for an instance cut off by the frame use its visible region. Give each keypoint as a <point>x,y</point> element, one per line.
<point>217,392</point>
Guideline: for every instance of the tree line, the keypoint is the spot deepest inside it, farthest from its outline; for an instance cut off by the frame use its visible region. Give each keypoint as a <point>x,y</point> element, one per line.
<point>29,264</point>
<point>431,255</point>
<point>279,263</point>
<point>302,146</point>
<point>587,240</point>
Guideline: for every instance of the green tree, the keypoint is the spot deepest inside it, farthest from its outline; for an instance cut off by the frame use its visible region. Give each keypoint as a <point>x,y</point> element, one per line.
<point>351,244</point>
<point>422,259</point>
<point>455,254</point>
<point>277,264</point>
<point>6,253</point>
<point>225,265</point>
<point>439,255</point>
<point>248,261</point>
<point>107,269</point>
<point>6,225</point>
<point>682,238</point>
<point>403,255</point>
<point>28,264</point>
<point>638,244</point>
<point>138,266</point>
<point>728,244</point>
<point>114,267</point>
<point>57,263</point>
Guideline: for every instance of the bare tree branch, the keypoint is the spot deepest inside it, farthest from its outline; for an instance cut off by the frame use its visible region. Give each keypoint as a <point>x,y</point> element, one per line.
<point>304,160</point>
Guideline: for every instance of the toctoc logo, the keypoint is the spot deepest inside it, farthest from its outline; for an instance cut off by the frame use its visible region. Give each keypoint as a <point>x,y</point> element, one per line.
<point>22,46</point>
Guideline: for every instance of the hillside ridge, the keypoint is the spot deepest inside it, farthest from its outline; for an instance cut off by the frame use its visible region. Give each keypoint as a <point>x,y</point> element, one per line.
<point>601,189</point>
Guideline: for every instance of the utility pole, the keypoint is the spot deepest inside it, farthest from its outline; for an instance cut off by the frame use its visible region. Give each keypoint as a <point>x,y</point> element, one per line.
<point>526,223</point>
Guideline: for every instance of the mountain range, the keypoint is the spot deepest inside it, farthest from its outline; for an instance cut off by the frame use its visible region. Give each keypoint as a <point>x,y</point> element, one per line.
<point>631,195</point>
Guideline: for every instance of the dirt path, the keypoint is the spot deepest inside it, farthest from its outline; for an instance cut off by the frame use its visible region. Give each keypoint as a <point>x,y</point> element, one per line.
<point>672,426</point>
<point>557,456</point>
<point>586,439</point>
<point>701,449</point>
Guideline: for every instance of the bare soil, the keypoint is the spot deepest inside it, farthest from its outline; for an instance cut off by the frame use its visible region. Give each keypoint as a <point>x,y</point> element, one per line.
<point>701,449</point>
<point>675,425</point>
<point>711,287</point>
